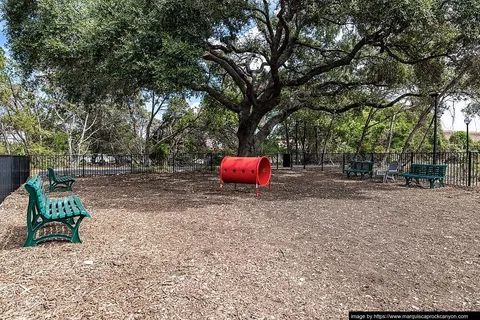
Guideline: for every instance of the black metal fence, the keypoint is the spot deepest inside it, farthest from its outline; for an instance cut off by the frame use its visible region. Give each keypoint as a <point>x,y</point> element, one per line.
<point>463,168</point>
<point>14,171</point>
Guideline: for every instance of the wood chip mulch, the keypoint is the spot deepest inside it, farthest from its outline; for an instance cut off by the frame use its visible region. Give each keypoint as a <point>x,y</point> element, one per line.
<point>170,246</point>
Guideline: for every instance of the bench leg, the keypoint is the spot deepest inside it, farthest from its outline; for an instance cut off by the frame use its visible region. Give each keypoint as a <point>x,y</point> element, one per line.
<point>30,238</point>
<point>30,242</point>
<point>32,229</point>
<point>68,222</point>
<point>52,187</point>
<point>408,180</point>
<point>75,235</point>
<point>57,185</point>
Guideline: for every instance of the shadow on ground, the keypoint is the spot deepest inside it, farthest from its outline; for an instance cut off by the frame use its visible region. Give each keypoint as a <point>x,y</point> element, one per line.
<point>14,237</point>
<point>193,190</point>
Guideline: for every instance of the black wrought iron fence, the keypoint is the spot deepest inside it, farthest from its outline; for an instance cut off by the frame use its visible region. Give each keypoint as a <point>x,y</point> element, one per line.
<point>463,168</point>
<point>14,170</point>
<point>93,165</point>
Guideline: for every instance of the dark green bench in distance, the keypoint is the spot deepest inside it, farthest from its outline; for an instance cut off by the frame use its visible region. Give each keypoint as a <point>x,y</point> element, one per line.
<point>42,211</point>
<point>361,167</point>
<point>60,183</point>
<point>430,172</point>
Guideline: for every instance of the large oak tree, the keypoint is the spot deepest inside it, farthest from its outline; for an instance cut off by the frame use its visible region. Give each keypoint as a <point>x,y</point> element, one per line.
<point>263,60</point>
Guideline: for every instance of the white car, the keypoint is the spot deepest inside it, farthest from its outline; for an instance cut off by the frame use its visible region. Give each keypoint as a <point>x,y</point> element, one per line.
<point>85,159</point>
<point>104,158</point>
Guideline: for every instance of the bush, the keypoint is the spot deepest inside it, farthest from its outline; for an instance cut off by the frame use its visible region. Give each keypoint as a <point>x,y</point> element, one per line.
<point>160,152</point>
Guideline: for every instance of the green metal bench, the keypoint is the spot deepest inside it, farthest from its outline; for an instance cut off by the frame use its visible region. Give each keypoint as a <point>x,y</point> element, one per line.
<point>43,211</point>
<point>430,172</point>
<point>361,167</point>
<point>60,183</point>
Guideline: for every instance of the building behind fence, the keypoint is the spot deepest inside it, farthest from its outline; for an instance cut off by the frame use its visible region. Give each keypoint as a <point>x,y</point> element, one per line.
<point>14,171</point>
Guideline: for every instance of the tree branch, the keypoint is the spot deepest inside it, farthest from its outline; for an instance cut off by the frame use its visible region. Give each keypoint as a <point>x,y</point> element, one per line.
<point>237,75</point>
<point>405,61</point>
<point>327,67</point>
<point>267,128</point>
<point>363,104</point>
<point>219,97</point>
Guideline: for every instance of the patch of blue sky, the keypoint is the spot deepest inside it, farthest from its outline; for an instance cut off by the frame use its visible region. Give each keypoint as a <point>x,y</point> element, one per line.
<point>3,39</point>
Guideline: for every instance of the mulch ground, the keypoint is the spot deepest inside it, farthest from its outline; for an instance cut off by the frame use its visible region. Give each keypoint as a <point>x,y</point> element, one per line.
<point>170,246</point>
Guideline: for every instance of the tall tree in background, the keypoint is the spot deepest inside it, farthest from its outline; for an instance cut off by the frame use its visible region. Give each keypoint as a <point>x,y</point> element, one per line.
<point>263,60</point>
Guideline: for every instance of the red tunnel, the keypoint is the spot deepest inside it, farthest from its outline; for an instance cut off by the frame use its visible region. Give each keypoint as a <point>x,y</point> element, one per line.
<point>253,170</point>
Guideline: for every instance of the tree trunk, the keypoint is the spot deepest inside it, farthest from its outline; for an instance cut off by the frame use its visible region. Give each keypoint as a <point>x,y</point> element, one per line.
<point>419,124</point>
<point>287,138</point>
<point>390,134</point>
<point>424,136</point>
<point>365,130</point>
<point>83,139</point>
<point>246,139</point>
<point>329,133</point>
<point>5,138</point>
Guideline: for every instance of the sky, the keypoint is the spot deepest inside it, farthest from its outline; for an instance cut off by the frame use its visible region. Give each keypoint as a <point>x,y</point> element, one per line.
<point>453,119</point>
<point>2,35</point>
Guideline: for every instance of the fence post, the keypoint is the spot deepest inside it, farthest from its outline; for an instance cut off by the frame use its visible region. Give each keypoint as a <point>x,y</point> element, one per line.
<point>173,162</point>
<point>469,168</point>
<point>131,163</point>
<point>28,168</point>
<point>210,157</point>
<point>343,162</point>
<point>304,161</point>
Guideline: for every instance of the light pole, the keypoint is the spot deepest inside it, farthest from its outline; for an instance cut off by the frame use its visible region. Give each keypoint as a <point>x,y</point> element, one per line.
<point>435,96</point>
<point>316,142</point>
<point>467,121</point>
<point>296,141</point>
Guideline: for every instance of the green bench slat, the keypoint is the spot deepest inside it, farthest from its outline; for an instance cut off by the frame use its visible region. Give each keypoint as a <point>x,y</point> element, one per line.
<point>419,176</point>
<point>360,167</point>
<point>60,183</point>
<point>68,207</point>
<point>58,211</point>
<point>430,172</point>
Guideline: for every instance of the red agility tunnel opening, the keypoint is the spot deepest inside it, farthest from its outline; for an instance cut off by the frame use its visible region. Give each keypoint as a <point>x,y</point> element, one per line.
<point>250,170</point>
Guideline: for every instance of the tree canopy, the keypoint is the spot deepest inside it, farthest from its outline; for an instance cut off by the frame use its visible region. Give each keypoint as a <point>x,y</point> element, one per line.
<point>263,60</point>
